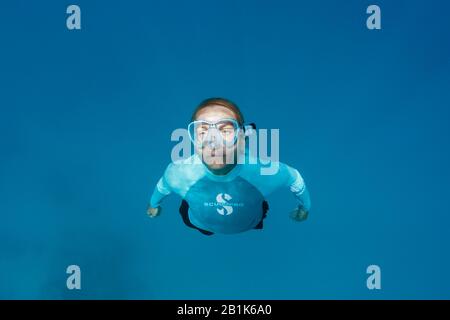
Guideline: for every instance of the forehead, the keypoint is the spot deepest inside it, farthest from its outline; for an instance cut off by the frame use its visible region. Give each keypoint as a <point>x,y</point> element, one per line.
<point>215,113</point>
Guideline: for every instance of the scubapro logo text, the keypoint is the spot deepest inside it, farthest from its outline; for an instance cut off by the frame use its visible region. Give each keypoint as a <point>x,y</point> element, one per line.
<point>223,204</point>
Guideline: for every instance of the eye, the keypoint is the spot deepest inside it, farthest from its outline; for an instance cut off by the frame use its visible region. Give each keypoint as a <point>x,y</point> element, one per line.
<point>227,131</point>
<point>202,130</point>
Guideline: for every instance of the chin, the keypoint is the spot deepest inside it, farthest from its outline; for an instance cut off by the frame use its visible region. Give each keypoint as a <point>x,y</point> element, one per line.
<point>215,165</point>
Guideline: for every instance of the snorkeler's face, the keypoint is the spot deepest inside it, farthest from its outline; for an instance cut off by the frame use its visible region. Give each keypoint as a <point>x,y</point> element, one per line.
<point>219,143</point>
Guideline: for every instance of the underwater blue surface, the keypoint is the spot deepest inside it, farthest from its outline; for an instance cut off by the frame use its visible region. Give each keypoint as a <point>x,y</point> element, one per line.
<point>85,125</point>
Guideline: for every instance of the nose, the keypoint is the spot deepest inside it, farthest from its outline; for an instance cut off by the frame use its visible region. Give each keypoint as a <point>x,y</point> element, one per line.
<point>212,143</point>
<point>212,139</point>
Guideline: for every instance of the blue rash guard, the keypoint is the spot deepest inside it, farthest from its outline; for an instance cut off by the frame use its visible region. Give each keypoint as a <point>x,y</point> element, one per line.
<point>228,203</point>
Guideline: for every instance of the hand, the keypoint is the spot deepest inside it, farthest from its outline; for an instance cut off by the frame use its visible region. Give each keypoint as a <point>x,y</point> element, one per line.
<point>154,212</point>
<point>299,214</point>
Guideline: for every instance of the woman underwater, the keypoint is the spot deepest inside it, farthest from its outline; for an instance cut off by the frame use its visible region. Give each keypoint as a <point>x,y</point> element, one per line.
<point>219,195</point>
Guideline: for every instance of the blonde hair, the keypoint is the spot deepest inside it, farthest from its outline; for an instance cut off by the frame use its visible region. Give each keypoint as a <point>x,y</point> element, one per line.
<point>220,102</point>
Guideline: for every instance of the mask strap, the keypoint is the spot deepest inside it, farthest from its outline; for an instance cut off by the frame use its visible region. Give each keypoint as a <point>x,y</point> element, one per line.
<point>249,129</point>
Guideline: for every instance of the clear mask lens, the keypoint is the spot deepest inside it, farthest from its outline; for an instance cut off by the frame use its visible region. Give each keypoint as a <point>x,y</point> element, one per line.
<point>215,134</point>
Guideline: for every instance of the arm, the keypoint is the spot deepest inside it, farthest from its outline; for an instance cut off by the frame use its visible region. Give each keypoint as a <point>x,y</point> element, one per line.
<point>301,193</point>
<point>298,188</point>
<point>162,190</point>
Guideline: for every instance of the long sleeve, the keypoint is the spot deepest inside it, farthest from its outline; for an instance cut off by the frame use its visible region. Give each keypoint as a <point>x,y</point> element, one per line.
<point>298,188</point>
<point>162,190</point>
